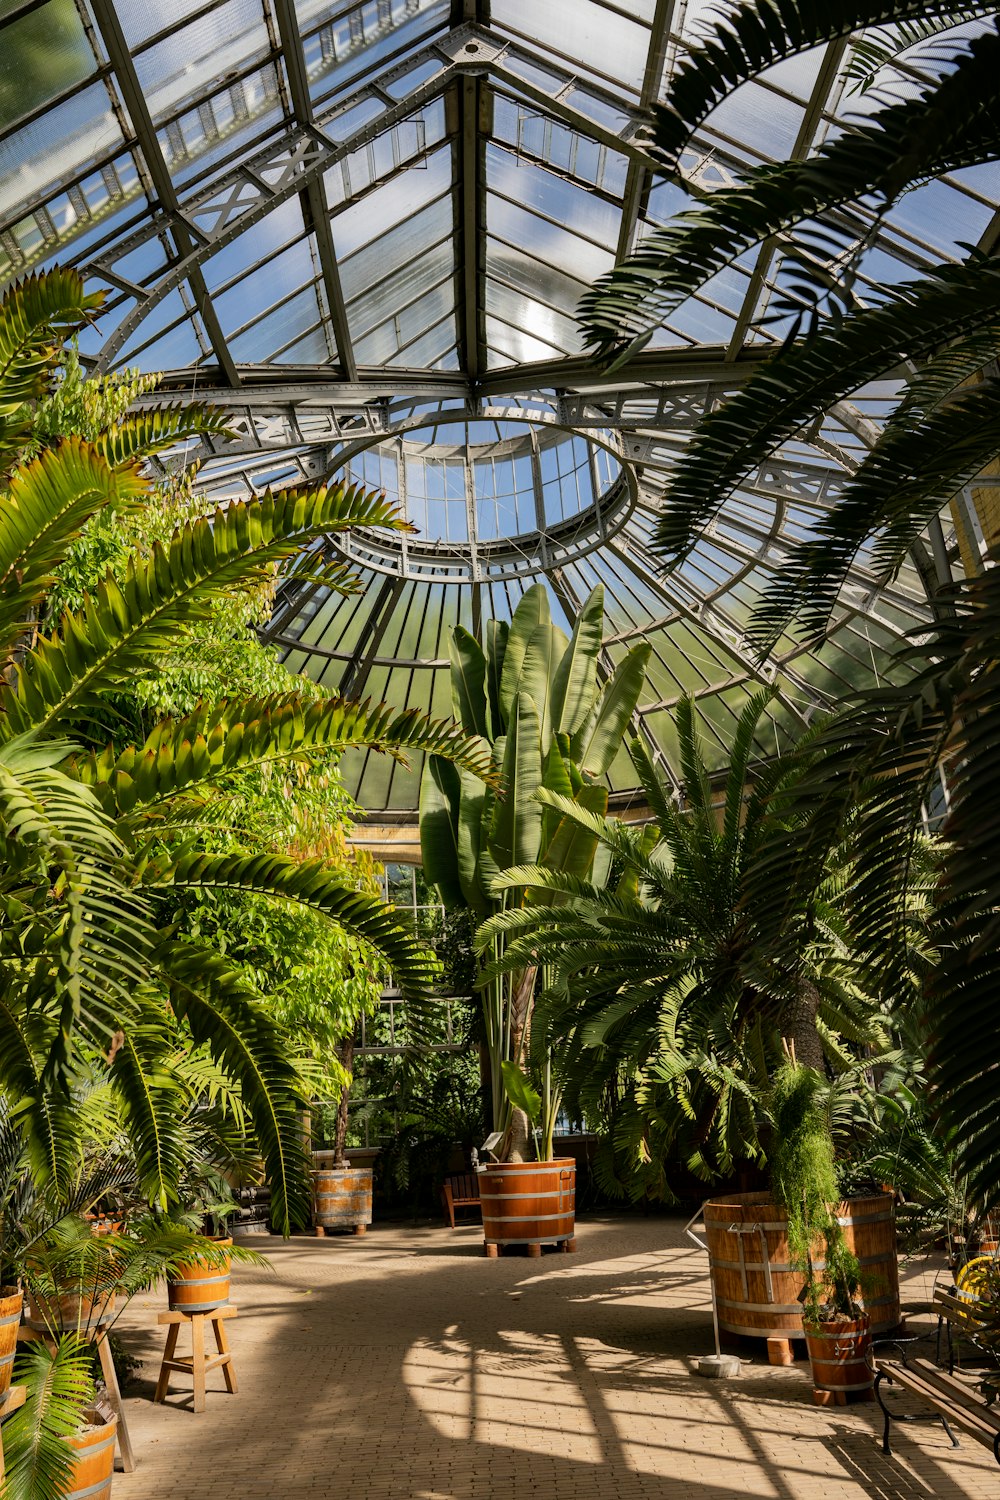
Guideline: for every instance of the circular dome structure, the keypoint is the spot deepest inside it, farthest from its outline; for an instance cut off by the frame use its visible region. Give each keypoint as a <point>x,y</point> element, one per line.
<point>363,227</point>
<point>492,497</point>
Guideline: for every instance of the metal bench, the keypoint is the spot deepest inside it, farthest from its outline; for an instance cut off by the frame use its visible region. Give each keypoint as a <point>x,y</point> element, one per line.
<point>460,1192</point>
<point>955,1403</point>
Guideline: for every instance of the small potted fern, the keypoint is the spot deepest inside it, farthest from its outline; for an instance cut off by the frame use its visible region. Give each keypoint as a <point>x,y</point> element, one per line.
<point>804,1180</point>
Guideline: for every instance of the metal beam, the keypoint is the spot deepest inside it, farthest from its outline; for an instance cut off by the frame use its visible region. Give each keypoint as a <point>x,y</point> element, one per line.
<point>645,374</point>
<point>315,210</point>
<point>638,177</point>
<point>135,102</point>
<point>475,109</point>
<point>812,119</point>
<point>352,684</point>
<point>221,212</point>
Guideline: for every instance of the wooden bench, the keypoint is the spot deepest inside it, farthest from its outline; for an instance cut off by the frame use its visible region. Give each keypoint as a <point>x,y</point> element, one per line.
<point>460,1192</point>
<point>961,1317</point>
<point>954,1402</point>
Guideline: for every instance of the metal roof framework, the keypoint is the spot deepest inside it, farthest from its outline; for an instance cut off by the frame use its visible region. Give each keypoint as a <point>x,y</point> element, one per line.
<point>358,224</point>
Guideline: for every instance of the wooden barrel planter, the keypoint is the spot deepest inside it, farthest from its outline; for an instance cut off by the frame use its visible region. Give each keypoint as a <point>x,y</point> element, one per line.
<point>530,1203</point>
<point>838,1353</point>
<point>757,1289</point>
<point>11,1303</point>
<point>70,1310</point>
<point>94,1464</point>
<point>342,1197</point>
<point>198,1286</point>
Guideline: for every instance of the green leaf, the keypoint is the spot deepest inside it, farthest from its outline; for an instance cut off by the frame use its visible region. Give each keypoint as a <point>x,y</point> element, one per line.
<point>129,621</point>
<point>517,819</point>
<point>542,655</point>
<point>519,1091</point>
<point>440,801</point>
<point>572,848</point>
<point>599,740</point>
<point>58,1387</point>
<point>576,676</point>
<point>532,611</point>
<point>468,682</point>
<point>497,632</point>
<point>471,836</point>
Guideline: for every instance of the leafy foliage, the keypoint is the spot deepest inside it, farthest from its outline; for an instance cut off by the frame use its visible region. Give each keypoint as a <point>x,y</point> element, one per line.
<point>107,852</point>
<point>677,980</point>
<point>534,696</point>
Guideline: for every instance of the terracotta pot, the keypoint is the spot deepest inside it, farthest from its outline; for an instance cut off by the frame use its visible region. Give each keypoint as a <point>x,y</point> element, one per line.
<point>756,1287</point>
<point>529,1203</point>
<point>342,1196</point>
<point>838,1352</point>
<point>11,1303</point>
<point>197,1286</point>
<point>94,1464</point>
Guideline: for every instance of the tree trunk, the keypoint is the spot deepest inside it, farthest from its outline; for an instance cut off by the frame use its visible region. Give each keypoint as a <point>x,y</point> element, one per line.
<point>340,1136</point>
<point>521,1003</point>
<point>801,1030</point>
<point>518,1136</point>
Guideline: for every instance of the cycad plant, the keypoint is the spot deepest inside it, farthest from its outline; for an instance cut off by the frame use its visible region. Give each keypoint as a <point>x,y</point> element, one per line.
<point>535,702</point>
<point>670,998</point>
<point>821,214</point>
<point>96,836</point>
<point>938,335</point>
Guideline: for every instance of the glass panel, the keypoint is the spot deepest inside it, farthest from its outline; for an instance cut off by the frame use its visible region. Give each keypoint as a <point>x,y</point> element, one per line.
<point>602,41</point>
<point>178,69</point>
<point>275,279</point>
<point>41,55</point>
<point>277,328</point>
<point>392,204</point>
<point>56,146</point>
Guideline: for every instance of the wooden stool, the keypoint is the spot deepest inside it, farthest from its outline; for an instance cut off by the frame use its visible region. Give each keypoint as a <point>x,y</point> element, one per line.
<point>98,1336</point>
<point>10,1401</point>
<point>197,1364</point>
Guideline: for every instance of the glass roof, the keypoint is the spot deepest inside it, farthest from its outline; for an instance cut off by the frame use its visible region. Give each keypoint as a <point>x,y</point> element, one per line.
<point>364,228</point>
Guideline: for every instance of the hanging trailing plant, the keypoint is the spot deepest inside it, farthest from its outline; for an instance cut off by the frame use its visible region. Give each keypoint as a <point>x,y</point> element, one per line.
<point>805,1182</point>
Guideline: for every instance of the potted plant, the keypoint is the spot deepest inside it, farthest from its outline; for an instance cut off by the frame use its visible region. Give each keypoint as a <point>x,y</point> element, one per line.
<point>342,1193</point>
<point>555,731</point>
<point>805,1183</point>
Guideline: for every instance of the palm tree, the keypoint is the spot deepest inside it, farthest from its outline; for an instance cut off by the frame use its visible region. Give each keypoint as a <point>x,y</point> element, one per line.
<point>672,998</point>
<point>939,333</point>
<point>93,837</point>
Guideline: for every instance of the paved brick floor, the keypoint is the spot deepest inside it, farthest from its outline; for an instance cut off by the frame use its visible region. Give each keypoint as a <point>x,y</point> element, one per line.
<point>406,1365</point>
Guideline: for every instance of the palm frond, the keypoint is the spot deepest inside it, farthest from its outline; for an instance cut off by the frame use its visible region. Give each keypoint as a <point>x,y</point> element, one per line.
<point>230,735</point>
<point>806,379</point>
<point>949,125</point>
<point>754,37</point>
<point>35,316</point>
<point>58,1386</point>
<point>120,630</point>
<point>225,1015</point>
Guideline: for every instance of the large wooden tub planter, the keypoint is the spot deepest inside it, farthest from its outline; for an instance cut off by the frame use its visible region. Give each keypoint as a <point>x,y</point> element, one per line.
<point>528,1203</point>
<point>11,1306</point>
<point>342,1195</point>
<point>759,1291</point>
<point>840,1353</point>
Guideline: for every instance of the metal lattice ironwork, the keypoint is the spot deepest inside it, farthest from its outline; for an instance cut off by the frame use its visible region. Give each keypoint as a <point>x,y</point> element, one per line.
<point>362,225</point>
